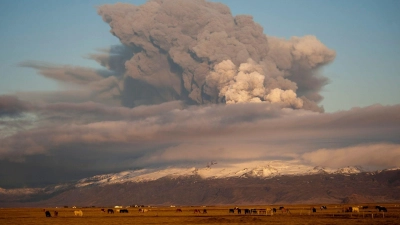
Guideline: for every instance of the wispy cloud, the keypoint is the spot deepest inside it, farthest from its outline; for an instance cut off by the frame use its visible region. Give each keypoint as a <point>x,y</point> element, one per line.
<point>381,155</point>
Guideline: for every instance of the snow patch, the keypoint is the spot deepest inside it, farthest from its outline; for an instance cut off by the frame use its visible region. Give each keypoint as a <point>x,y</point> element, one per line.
<point>350,170</point>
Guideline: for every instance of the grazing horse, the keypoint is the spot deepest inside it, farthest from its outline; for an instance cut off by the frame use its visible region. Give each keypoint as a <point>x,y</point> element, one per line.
<point>143,210</point>
<point>231,210</point>
<point>271,211</point>
<point>285,210</point>
<point>239,211</point>
<point>355,209</point>
<point>178,210</point>
<point>347,209</point>
<point>47,213</point>
<point>314,209</point>
<point>262,211</point>
<point>110,211</point>
<point>323,207</point>
<point>381,208</point>
<point>55,213</point>
<point>123,211</point>
<point>78,213</point>
<point>204,211</point>
<point>103,210</point>
<point>247,211</point>
<point>253,211</point>
<point>197,211</point>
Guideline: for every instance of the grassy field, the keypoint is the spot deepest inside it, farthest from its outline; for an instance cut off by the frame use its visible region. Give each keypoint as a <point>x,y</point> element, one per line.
<point>299,214</point>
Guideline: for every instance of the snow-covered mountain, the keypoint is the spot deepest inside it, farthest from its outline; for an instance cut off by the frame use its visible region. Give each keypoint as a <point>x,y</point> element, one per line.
<point>218,183</point>
<point>214,170</point>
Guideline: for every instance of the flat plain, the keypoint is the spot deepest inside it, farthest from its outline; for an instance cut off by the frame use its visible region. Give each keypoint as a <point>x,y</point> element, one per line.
<point>298,214</point>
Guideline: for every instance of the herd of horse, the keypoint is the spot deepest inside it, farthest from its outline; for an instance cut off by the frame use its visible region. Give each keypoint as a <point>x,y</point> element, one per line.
<point>357,208</point>
<point>266,211</point>
<point>48,214</point>
<point>111,211</point>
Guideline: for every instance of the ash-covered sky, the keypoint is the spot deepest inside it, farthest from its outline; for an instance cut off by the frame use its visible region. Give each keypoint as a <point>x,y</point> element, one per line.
<point>177,82</point>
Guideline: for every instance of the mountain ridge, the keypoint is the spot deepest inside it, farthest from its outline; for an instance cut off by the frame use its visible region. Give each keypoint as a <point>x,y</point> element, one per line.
<point>189,187</point>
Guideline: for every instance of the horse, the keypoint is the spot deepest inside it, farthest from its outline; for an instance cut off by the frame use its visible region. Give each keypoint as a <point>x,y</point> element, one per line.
<point>123,211</point>
<point>271,211</point>
<point>247,211</point>
<point>143,210</point>
<point>381,208</point>
<point>204,211</point>
<point>285,210</point>
<point>47,213</point>
<point>78,213</point>
<point>253,211</point>
<point>355,209</point>
<point>231,210</point>
<point>55,213</point>
<point>314,209</point>
<point>323,207</point>
<point>103,210</point>
<point>178,210</point>
<point>239,211</point>
<point>110,211</point>
<point>262,211</point>
<point>347,209</point>
<point>196,211</point>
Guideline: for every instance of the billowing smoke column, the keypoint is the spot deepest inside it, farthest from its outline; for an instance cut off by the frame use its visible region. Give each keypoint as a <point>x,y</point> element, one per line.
<point>196,51</point>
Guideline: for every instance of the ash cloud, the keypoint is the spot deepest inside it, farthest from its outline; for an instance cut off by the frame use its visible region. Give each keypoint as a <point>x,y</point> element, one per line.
<point>198,53</point>
<point>179,49</point>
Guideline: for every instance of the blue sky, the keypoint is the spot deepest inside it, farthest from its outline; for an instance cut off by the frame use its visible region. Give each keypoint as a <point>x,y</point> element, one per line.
<point>364,34</point>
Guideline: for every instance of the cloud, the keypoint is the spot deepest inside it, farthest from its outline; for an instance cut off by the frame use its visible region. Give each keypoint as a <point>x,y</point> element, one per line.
<point>81,83</point>
<point>97,138</point>
<point>177,50</point>
<point>380,155</point>
<point>220,127</point>
<point>69,74</point>
<point>11,106</point>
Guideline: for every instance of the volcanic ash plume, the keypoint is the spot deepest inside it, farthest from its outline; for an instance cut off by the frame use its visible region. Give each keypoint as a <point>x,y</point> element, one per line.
<point>198,52</point>
<point>246,84</point>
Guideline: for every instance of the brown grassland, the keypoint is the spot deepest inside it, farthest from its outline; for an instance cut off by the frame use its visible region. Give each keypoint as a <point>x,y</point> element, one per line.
<point>299,214</point>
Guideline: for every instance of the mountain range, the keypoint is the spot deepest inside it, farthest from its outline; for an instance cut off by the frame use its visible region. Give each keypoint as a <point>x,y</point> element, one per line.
<point>274,182</point>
